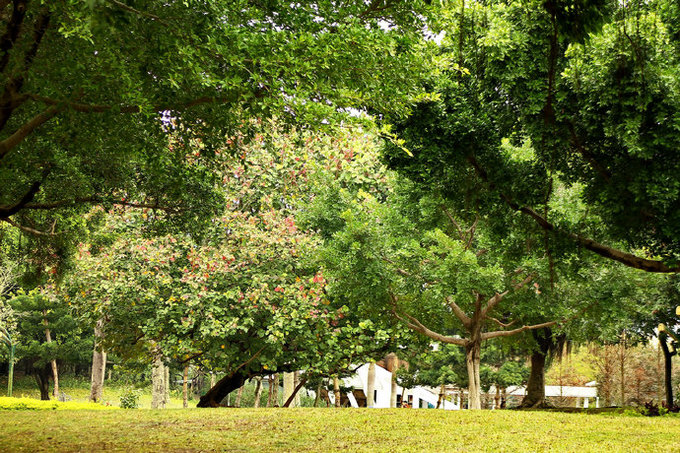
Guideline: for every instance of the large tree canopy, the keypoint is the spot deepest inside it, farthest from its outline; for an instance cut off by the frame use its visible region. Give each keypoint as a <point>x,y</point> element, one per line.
<point>542,98</point>
<point>91,90</point>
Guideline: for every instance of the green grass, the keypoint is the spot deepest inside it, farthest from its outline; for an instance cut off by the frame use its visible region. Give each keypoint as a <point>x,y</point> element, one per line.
<point>243,430</point>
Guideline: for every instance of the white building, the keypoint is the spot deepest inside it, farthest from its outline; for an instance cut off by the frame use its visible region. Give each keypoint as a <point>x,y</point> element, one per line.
<point>418,397</point>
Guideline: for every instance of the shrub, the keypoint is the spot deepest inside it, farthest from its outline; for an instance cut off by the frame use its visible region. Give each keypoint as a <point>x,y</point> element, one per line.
<point>130,399</point>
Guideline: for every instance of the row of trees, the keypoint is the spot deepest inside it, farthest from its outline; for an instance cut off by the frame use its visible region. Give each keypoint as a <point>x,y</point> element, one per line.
<point>536,185</point>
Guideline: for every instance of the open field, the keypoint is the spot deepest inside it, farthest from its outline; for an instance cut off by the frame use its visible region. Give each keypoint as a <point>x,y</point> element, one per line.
<point>332,430</point>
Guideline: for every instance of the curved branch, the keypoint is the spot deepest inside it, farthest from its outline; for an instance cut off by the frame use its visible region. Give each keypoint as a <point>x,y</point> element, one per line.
<point>464,318</point>
<point>508,333</point>
<point>627,259</point>
<point>17,137</point>
<point>416,325</point>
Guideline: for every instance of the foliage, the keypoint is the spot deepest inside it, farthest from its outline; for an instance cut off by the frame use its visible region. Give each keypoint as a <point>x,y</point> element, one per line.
<point>250,295</point>
<point>152,88</point>
<point>537,99</point>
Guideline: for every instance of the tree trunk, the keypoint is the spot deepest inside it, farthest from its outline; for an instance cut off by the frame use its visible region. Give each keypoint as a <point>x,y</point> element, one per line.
<point>166,384</point>
<point>370,385</point>
<point>336,390</point>
<point>291,399</point>
<point>98,365</point>
<point>535,396</point>
<point>296,391</point>
<point>239,395</point>
<point>42,378</point>
<point>472,360</point>
<point>668,370</point>
<point>258,391</point>
<point>185,390</point>
<point>275,392</point>
<point>288,386</point>
<point>53,362</point>
<point>222,388</point>
<point>440,400</point>
<point>271,391</point>
<point>318,394</point>
<point>622,368</point>
<point>158,383</point>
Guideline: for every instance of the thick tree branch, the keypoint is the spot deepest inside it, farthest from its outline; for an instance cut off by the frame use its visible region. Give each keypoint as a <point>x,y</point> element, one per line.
<point>17,137</point>
<point>416,325</point>
<point>10,99</point>
<point>500,323</point>
<point>29,230</point>
<point>460,314</point>
<point>12,31</point>
<point>508,333</point>
<point>627,259</point>
<point>8,211</point>
<point>100,200</point>
<point>495,300</point>
<point>102,108</point>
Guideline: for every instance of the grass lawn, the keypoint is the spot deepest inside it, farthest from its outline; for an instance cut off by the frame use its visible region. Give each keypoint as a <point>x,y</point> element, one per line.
<point>332,430</point>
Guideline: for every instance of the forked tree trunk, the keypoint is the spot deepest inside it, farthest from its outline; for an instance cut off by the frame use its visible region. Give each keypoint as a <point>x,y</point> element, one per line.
<point>370,385</point>
<point>472,361</point>
<point>98,365</point>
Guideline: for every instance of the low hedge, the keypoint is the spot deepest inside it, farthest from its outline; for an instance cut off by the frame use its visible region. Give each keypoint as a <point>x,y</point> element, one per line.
<point>7,403</point>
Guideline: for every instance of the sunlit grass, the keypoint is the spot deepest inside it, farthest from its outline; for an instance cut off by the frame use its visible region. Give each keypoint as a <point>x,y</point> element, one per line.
<point>332,430</point>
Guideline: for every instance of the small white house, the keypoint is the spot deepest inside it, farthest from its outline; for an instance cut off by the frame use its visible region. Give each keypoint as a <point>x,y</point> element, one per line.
<point>418,397</point>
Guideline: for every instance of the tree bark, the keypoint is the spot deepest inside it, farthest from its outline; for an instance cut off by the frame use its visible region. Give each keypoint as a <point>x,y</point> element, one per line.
<point>535,396</point>
<point>271,391</point>
<point>336,390</point>
<point>42,378</point>
<point>296,390</point>
<point>185,390</point>
<point>158,383</point>
<point>275,392</point>
<point>239,395</point>
<point>318,394</point>
<point>668,369</point>
<point>370,385</point>
<point>98,365</point>
<point>472,360</point>
<point>288,386</point>
<point>166,385</point>
<point>258,391</point>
